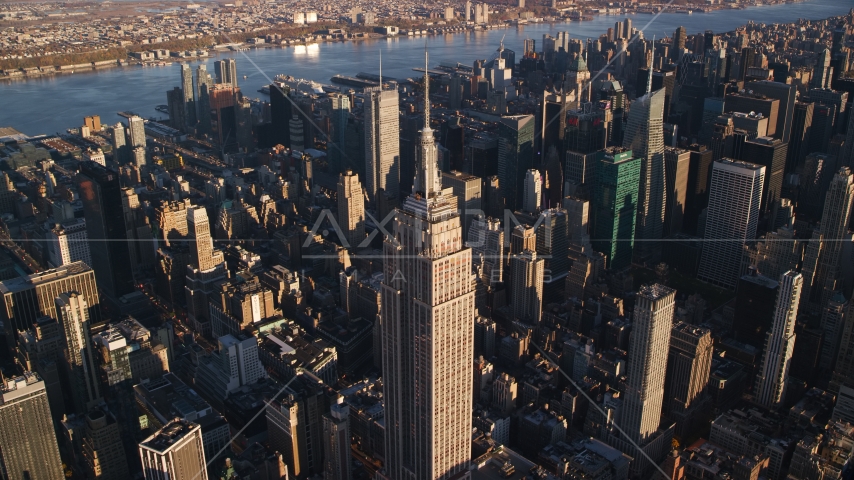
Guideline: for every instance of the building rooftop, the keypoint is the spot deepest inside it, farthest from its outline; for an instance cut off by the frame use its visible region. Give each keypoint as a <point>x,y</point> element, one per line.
<point>169,435</point>
<point>501,464</point>
<point>23,283</point>
<point>655,291</point>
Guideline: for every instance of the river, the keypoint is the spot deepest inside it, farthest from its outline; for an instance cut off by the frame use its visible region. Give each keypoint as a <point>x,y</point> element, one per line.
<point>55,103</point>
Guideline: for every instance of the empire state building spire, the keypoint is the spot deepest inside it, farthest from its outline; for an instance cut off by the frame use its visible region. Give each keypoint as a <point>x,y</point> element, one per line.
<point>428,181</point>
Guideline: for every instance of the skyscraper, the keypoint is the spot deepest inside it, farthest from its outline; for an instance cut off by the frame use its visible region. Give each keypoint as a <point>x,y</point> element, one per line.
<point>427,330</point>
<point>336,442</point>
<point>382,143</point>
<point>732,218</point>
<point>526,297</point>
<point>771,153</point>
<point>102,446</point>
<point>614,206</point>
<point>226,71</point>
<point>780,342</point>
<point>176,108</point>
<point>101,194</point>
<point>339,158</point>
<point>25,299</point>
<point>688,365</point>
<point>823,256</point>
<point>207,266</point>
<point>647,365</point>
<point>467,189</point>
<point>175,452</point>
<point>486,240</point>
<point>73,313</point>
<point>188,91</point>
<point>677,163</point>
<point>821,71</point>
<point>68,242</point>
<point>136,129</point>
<point>644,135</point>
<point>351,208</point>
<point>533,191</point>
<point>515,156</point>
<point>28,447</point>
<point>204,84</point>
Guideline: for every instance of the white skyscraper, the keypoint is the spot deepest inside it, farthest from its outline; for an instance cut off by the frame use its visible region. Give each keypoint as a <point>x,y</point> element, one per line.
<point>780,342</point>
<point>644,394</point>
<point>527,271</point>
<point>68,242</point>
<point>382,142</point>
<point>73,313</point>
<point>427,324</point>
<point>731,219</point>
<point>533,191</point>
<point>206,268</point>
<point>644,135</point>
<point>136,129</point>
<point>351,208</point>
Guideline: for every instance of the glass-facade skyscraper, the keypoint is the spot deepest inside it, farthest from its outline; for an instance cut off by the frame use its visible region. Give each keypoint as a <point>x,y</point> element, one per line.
<point>615,206</point>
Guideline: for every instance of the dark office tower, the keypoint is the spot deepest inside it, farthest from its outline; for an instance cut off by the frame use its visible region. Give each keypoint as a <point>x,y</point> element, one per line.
<point>771,153</point>
<point>618,31</point>
<point>779,71</point>
<point>25,299</point>
<point>713,107</point>
<point>410,126</point>
<point>677,163</point>
<point>754,307</point>
<point>188,90</point>
<point>28,448</point>
<point>101,194</point>
<point>615,205</point>
<point>665,80</point>
<point>689,362</point>
<point>800,140</point>
<point>786,94</point>
<point>585,137</point>
<point>708,40</point>
<point>493,201</point>
<point>679,38</point>
<point>175,104</point>
<point>645,138</point>
<point>822,128</point>
<point>755,102</point>
<point>453,139</point>
<point>337,144</point>
<point>745,62</point>
<point>699,175</point>
<point>515,156</point>
<point>721,139</point>
<point>553,246</point>
<point>204,84</point>
<point>553,126</point>
<point>281,113</point>
<point>821,71</point>
<point>226,71</point>
<point>827,96</point>
<point>612,93</point>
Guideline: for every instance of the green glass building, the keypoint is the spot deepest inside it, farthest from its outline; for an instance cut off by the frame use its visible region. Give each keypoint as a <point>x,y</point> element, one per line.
<point>615,205</point>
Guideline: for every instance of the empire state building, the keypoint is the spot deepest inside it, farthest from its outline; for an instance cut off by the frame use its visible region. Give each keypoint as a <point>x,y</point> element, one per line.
<point>427,325</point>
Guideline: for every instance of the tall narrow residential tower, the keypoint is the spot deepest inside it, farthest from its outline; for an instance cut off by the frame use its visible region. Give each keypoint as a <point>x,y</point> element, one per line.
<point>780,343</point>
<point>427,327</point>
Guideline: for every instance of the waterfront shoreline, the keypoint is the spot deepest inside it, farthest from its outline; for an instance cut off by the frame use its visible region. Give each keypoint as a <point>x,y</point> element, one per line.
<point>31,73</point>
